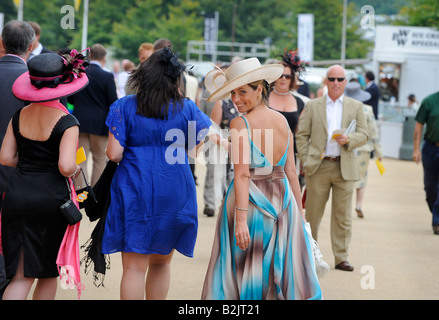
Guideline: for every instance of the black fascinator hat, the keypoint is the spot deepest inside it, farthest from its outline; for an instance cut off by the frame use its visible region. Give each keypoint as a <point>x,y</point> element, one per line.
<point>292,60</point>
<point>173,67</point>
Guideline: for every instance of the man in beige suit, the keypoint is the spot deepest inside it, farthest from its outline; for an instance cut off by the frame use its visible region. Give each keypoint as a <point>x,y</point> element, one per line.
<point>330,163</point>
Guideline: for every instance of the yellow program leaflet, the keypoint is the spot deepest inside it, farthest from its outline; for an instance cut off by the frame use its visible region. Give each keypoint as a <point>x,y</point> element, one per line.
<point>80,155</point>
<point>380,166</point>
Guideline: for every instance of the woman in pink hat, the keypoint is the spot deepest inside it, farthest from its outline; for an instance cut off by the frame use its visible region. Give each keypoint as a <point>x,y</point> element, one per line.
<point>41,142</point>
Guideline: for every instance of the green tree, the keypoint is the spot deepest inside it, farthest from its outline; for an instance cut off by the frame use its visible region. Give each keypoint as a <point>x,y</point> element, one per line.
<point>53,36</point>
<point>256,21</point>
<point>382,7</point>
<point>421,13</point>
<point>328,23</point>
<point>125,24</point>
<point>182,23</point>
<point>9,10</point>
<point>102,15</point>
<point>149,20</point>
<point>244,21</point>
<point>137,26</point>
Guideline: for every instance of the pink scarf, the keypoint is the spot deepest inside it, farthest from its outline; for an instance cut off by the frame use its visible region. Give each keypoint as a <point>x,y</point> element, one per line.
<point>1,247</point>
<point>68,254</point>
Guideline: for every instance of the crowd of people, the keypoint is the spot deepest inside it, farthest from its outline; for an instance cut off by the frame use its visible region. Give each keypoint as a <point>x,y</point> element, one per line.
<point>274,156</point>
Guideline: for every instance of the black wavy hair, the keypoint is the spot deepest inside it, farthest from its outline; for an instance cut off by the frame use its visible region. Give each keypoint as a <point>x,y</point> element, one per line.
<point>158,83</point>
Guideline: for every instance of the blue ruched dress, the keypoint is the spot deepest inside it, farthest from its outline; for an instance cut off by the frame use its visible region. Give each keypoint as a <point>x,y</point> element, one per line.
<point>153,206</point>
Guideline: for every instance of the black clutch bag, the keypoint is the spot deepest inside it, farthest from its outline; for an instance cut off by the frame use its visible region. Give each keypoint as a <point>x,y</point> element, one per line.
<point>70,210</point>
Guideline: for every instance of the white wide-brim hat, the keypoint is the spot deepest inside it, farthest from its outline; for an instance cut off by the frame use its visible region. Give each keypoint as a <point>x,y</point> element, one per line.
<point>240,73</point>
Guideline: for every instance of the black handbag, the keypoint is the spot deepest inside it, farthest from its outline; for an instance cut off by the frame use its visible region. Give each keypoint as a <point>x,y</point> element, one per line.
<point>85,195</point>
<point>70,210</point>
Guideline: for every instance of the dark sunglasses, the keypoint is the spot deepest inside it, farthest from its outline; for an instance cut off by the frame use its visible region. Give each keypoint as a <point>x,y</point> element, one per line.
<point>287,76</point>
<point>333,79</point>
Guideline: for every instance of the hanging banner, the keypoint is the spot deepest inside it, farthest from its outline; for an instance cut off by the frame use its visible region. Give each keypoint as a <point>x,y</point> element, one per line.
<point>305,38</point>
<point>210,32</point>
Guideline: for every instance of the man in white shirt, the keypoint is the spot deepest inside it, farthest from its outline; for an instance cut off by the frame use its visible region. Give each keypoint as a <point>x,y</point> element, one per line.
<point>334,111</point>
<point>329,161</point>
<point>37,46</point>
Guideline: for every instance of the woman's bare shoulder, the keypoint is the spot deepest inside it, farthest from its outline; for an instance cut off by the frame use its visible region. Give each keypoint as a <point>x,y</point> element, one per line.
<point>237,123</point>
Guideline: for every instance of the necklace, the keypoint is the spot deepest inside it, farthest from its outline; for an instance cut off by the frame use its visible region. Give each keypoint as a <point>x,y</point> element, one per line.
<point>281,93</point>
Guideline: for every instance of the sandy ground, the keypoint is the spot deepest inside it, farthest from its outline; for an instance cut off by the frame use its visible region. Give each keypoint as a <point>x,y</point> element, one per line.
<point>393,249</point>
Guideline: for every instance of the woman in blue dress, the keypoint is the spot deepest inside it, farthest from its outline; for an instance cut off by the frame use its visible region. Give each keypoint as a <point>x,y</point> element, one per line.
<point>153,206</point>
<point>261,249</point>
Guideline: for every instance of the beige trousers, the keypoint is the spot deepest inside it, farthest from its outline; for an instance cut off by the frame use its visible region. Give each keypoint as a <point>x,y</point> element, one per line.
<point>318,186</point>
<point>96,145</point>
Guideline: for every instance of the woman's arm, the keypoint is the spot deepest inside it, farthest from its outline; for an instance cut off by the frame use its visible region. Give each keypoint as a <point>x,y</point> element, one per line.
<point>241,161</point>
<point>8,152</point>
<point>217,113</point>
<point>67,153</point>
<point>217,117</point>
<point>114,149</point>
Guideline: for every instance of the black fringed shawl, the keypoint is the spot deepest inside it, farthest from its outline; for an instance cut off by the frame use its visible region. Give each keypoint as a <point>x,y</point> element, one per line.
<point>95,211</point>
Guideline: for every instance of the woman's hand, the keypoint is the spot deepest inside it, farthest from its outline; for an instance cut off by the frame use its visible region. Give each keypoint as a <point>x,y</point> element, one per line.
<point>303,216</point>
<point>242,233</point>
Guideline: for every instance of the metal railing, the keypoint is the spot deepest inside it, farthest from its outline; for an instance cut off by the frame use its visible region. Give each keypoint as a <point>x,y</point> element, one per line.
<point>211,51</point>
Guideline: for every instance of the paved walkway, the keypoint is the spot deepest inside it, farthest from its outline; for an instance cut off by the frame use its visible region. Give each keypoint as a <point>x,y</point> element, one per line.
<point>393,249</point>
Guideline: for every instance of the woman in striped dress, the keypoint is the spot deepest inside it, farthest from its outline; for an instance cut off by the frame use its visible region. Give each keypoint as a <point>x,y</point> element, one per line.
<point>261,249</point>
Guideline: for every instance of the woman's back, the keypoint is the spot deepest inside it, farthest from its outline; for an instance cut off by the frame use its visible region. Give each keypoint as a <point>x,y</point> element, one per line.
<point>269,133</point>
<point>37,121</point>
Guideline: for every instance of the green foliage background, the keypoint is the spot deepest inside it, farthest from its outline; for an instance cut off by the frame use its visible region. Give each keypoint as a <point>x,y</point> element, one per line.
<point>125,24</point>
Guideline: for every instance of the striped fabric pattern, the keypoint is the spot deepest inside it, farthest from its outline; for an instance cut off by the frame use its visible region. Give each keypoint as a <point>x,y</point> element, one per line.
<point>279,263</point>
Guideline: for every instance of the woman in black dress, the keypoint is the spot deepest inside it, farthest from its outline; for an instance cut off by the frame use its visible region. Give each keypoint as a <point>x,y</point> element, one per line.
<point>41,142</point>
<point>283,100</point>
<point>281,96</point>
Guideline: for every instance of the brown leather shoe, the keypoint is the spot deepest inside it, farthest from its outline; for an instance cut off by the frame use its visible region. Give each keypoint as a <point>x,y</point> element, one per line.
<point>359,213</point>
<point>436,229</point>
<point>345,266</point>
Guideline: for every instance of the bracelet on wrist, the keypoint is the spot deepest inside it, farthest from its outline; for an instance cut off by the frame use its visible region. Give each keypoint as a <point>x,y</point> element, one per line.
<point>241,209</point>
<point>74,173</point>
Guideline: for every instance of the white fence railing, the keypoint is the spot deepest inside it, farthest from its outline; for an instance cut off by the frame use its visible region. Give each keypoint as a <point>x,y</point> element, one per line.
<point>210,51</point>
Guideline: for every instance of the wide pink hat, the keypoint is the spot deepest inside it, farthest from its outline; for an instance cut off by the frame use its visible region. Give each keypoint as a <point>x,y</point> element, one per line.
<point>51,76</point>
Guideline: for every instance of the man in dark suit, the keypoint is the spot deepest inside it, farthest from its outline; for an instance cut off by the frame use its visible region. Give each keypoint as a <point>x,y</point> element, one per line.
<point>374,91</point>
<point>17,38</point>
<point>90,107</point>
<point>37,47</point>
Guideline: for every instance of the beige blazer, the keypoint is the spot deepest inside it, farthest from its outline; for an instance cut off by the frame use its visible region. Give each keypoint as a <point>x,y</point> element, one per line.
<point>312,136</point>
<point>373,144</point>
